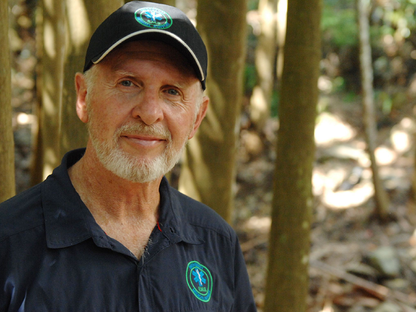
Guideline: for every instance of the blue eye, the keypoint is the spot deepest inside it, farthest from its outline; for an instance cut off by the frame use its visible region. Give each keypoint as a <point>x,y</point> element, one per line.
<point>126,83</point>
<point>173,92</point>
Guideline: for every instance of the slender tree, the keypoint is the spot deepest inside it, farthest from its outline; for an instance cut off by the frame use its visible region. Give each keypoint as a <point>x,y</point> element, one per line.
<point>265,56</point>
<point>413,192</point>
<point>287,275</point>
<point>51,28</point>
<point>281,35</point>
<point>7,181</point>
<point>380,195</point>
<point>82,18</point>
<point>208,172</point>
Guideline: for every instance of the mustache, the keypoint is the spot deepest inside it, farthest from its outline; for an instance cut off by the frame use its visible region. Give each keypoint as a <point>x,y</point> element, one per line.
<point>141,128</point>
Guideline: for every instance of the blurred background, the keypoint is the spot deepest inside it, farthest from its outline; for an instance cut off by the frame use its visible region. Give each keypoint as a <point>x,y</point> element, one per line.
<point>358,261</point>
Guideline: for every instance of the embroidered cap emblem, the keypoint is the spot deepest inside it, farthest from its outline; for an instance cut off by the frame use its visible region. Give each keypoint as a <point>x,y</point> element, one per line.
<point>153,18</point>
<point>199,280</point>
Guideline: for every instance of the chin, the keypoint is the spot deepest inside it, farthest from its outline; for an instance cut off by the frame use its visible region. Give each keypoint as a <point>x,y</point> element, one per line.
<point>133,169</point>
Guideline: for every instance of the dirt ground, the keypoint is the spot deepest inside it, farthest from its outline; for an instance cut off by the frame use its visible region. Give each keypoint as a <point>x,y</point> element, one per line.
<point>345,236</point>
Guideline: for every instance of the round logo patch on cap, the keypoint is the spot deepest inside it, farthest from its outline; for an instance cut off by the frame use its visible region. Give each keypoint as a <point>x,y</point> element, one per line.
<point>153,18</point>
<point>199,280</point>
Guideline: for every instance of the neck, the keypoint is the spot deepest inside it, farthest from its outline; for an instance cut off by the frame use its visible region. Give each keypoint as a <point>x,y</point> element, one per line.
<point>111,198</point>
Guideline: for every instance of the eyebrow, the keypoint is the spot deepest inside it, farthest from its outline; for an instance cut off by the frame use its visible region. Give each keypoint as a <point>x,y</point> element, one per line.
<point>123,72</point>
<point>178,83</point>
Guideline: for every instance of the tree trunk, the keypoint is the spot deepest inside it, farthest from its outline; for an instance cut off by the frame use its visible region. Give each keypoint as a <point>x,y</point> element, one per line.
<point>7,181</point>
<point>208,172</point>
<point>36,166</point>
<point>82,19</point>
<point>412,208</point>
<point>281,35</point>
<point>380,195</point>
<point>265,56</point>
<point>49,84</point>
<point>287,276</point>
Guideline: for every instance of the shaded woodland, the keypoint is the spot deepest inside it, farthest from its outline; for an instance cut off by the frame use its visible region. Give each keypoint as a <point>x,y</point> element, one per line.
<point>357,261</point>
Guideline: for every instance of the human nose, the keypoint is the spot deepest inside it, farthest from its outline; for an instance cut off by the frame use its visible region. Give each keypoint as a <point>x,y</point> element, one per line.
<point>148,108</point>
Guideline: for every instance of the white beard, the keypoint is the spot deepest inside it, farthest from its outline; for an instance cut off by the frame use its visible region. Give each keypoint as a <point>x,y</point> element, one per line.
<point>127,166</point>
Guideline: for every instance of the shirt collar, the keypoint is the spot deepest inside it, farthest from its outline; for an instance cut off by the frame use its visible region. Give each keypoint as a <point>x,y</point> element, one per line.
<point>68,221</point>
<point>172,220</point>
<point>66,216</point>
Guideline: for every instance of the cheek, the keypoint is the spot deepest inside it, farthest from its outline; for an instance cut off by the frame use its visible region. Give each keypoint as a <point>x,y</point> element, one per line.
<point>108,110</point>
<point>103,123</point>
<point>181,128</point>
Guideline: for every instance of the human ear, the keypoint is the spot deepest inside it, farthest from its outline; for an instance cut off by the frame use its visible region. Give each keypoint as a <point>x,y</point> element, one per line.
<point>81,104</point>
<point>200,116</point>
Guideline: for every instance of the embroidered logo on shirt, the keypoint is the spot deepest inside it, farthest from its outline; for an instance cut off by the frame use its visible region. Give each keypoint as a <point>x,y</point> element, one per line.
<point>153,18</point>
<point>199,280</point>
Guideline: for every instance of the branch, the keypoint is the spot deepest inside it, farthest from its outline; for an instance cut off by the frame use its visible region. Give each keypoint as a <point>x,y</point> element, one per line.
<point>374,289</point>
<point>379,291</point>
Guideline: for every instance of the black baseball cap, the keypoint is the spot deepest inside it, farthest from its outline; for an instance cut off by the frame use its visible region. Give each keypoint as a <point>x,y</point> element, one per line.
<point>137,20</point>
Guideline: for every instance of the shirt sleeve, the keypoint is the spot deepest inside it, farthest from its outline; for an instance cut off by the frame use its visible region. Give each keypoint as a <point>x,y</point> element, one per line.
<point>243,296</point>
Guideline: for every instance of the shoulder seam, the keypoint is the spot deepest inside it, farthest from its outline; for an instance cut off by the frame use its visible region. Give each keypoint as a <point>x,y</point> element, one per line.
<point>222,233</point>
<point>19,232</point>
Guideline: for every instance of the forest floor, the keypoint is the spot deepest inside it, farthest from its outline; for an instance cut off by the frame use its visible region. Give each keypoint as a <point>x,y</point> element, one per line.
<point>357,263</point>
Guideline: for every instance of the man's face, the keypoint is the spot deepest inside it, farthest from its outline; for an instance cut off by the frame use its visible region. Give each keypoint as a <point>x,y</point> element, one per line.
<point>142,106</point>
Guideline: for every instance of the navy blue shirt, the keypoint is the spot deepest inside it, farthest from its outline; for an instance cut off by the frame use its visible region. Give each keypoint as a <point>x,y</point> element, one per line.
<point>55,257</point>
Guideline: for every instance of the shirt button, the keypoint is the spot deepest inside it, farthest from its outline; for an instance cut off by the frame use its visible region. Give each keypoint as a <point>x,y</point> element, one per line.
<point>172,230</point>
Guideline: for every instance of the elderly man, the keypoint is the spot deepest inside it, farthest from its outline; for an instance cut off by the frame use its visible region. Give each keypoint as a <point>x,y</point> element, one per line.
<point>105,231</point>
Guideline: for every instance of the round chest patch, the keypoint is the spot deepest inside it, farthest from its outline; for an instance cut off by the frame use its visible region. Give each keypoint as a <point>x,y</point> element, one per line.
<point>153,18</point>
<point>199,280</point>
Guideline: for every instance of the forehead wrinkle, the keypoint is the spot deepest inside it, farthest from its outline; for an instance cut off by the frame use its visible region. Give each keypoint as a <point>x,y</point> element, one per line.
<point>181,78</point>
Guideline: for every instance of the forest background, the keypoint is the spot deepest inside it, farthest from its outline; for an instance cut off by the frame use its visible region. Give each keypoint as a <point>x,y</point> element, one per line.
<point>357,261</point>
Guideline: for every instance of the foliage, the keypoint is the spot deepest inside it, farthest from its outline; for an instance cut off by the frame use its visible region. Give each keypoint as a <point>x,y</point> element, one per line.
<point>250,77</point>
<point>252,4</point>
<point>338,23</point>
<point>395,17</point>
<point>274,107</point>
<point>393,44</point>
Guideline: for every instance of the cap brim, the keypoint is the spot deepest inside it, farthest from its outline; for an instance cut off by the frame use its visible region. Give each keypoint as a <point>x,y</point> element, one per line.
<point>158,35</point>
